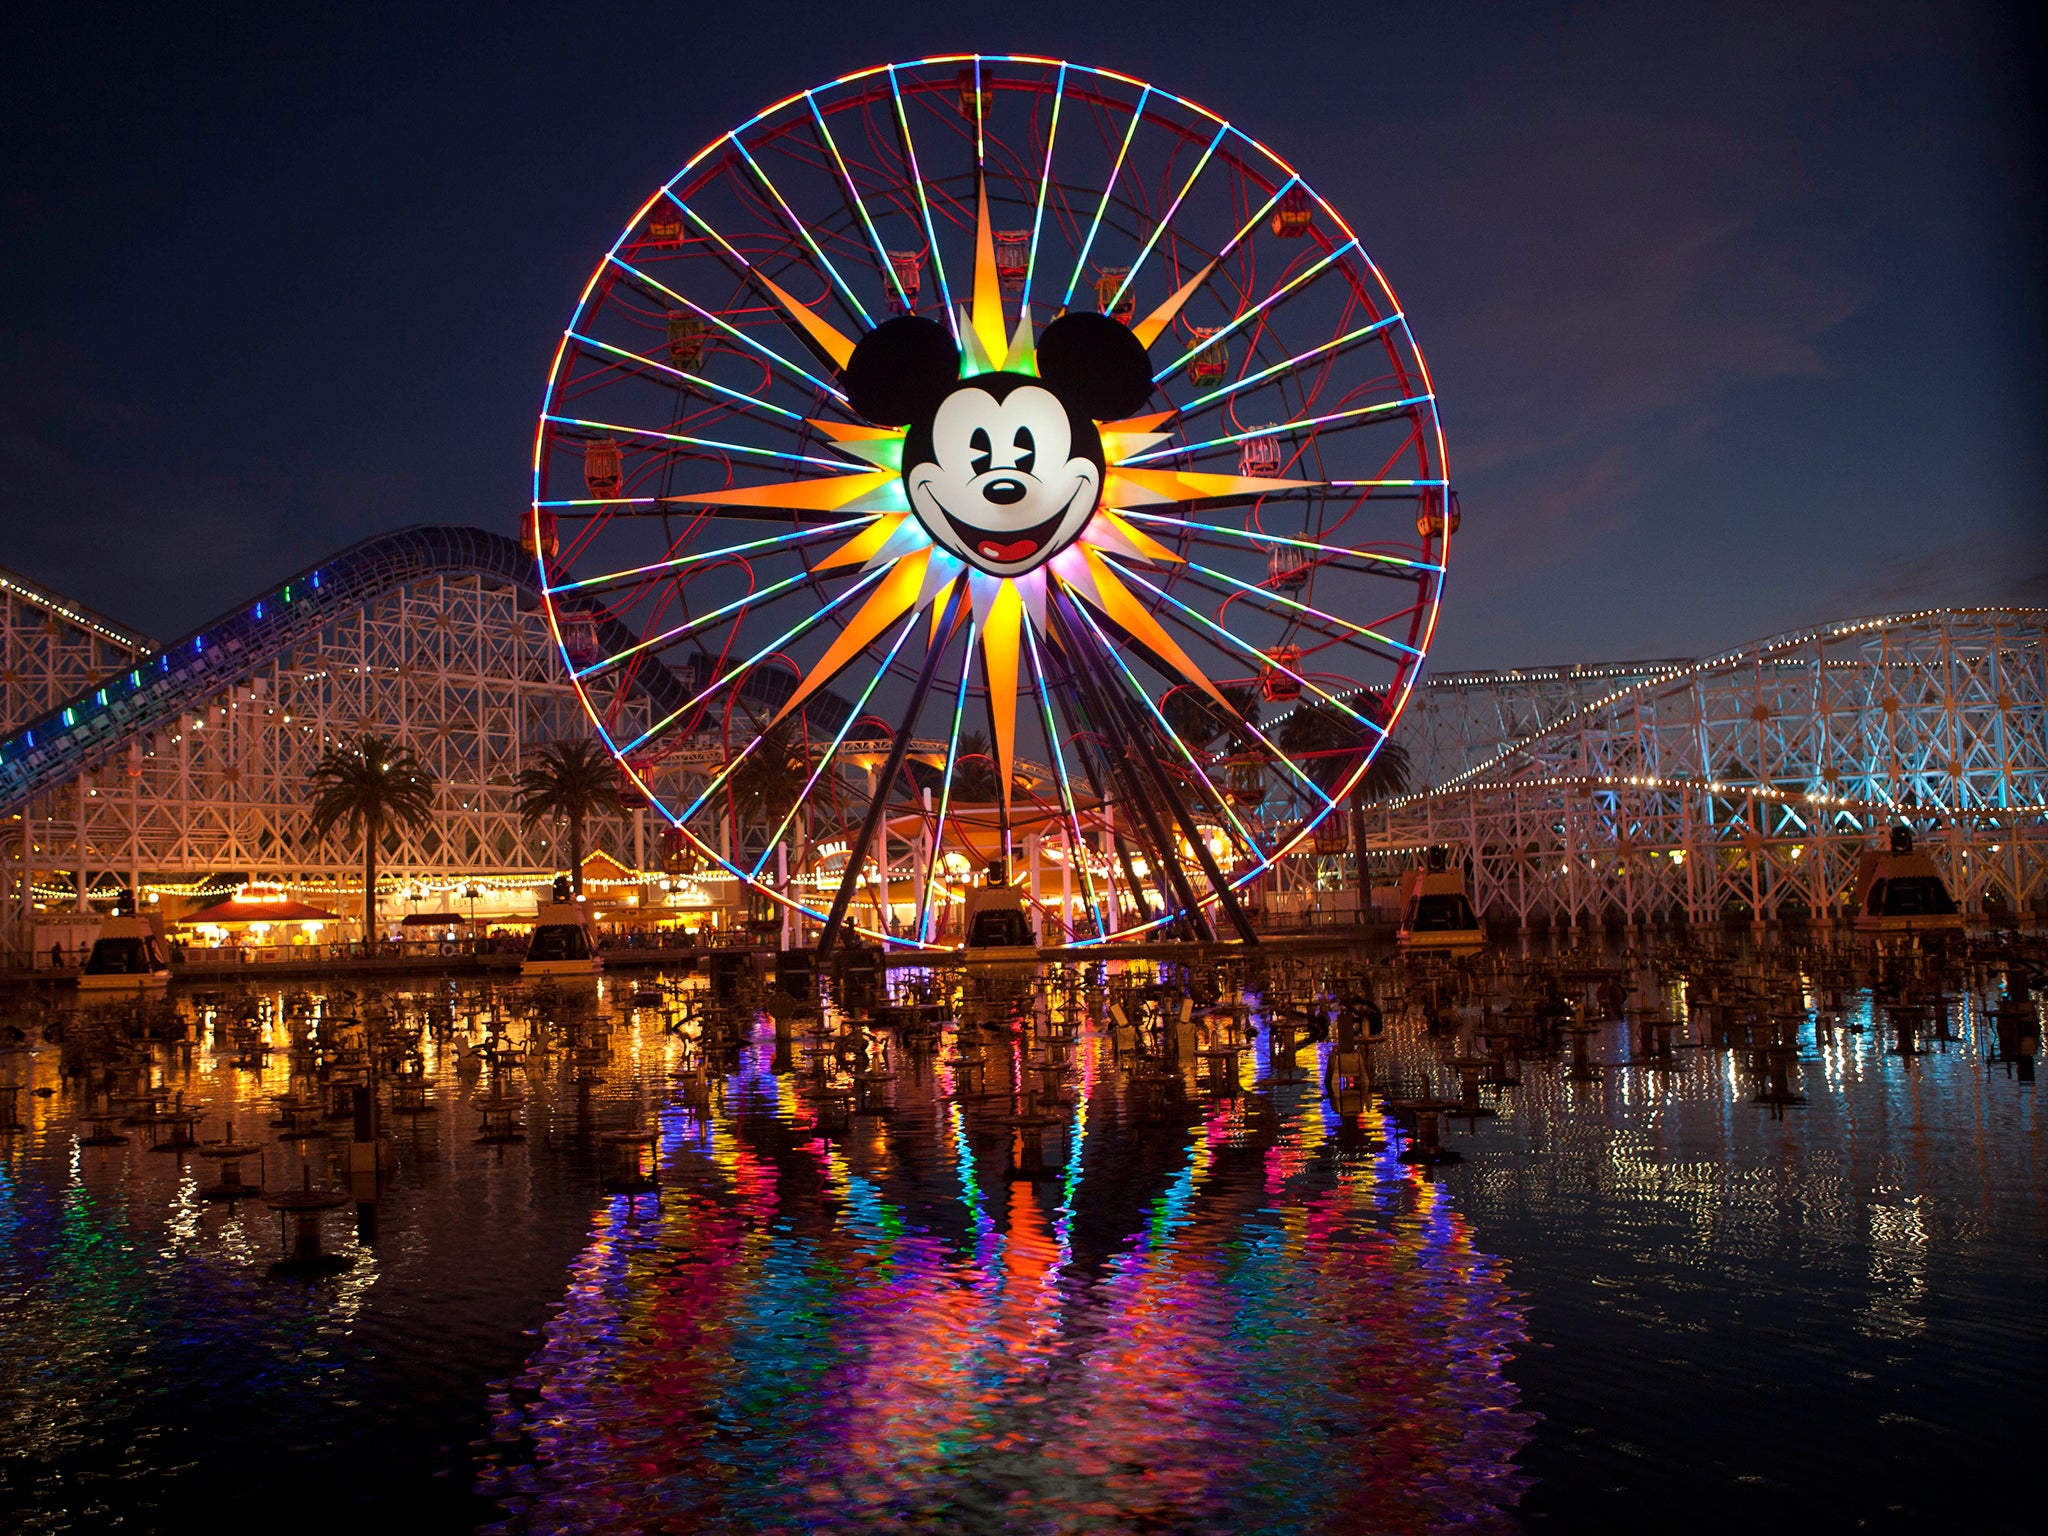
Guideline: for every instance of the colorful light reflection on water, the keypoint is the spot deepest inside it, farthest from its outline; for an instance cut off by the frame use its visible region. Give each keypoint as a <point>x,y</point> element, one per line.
<point>1645,1302</point>
<point>1264,1322</point>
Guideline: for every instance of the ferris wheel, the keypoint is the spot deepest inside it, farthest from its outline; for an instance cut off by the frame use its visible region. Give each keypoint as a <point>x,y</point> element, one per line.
<point>983,461</point>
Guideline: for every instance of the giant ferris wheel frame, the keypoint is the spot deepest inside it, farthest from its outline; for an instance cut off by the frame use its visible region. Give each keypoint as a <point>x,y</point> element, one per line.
<point>1273,530</point>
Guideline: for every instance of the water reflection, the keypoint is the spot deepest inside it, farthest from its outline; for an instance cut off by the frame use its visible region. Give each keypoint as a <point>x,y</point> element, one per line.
<point>1259,1320</point>
<point>863,1296</point>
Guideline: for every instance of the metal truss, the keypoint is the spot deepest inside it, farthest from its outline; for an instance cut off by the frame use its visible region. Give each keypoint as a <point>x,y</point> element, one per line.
<point>1744,784</point>
<point>140,765</point>
<point>1460,720</point>
<point>1750,782</point>
<point>52,650</point>
<point>459,669</point>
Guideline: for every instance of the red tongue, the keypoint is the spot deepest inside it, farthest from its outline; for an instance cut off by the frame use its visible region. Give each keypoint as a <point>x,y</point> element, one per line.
<point>989,549</point>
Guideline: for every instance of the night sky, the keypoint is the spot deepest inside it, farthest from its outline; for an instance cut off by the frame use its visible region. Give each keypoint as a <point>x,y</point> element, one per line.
<point>1735,310</point>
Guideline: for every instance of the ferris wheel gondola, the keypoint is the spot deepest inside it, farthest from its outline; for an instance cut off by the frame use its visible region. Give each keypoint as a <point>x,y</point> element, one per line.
<point>999,398</point>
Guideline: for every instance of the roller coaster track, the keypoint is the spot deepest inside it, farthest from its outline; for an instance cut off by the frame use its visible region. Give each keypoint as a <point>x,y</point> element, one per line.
<point>77,737</point>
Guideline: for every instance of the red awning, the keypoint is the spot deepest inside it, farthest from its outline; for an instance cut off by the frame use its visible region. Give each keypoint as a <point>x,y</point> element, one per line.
<point>433,920</point>
<point>237,911</point>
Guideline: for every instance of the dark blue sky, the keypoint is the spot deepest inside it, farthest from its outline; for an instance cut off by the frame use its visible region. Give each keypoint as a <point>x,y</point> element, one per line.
<point>1736,314</point>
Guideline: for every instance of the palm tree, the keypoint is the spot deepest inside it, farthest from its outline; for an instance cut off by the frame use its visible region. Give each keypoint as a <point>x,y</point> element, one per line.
<point>767,784</point>
<point>1389,774</point>
<point>368,786</point>
<point>1321,739</point>
<point>975,780</point>
<point>1192,717</point>
<point>1195,718</point>
<point>1325,737</point>
<point>568,781</point>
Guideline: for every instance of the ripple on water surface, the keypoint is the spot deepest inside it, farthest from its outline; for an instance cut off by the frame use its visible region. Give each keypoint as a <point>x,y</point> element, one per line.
<point>1643,1301</point>
<point>1259,1322</point>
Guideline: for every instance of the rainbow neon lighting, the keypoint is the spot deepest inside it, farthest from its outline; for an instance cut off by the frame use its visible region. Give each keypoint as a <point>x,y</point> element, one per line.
<point>840,164</point>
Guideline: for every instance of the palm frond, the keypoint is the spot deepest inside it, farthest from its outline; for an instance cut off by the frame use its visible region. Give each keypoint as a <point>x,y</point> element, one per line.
<point>370,783</point>
<point>567,779</point>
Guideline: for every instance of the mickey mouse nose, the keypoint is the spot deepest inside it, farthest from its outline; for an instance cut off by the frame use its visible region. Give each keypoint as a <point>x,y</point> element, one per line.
<point>1004,492</point>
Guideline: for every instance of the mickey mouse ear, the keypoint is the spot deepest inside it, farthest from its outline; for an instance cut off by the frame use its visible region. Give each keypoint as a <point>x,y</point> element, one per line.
<point>1096,364</point>
<point>900,370</point>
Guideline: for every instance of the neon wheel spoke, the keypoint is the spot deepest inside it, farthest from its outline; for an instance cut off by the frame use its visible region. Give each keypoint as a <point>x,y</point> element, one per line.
<point>1180,665</point>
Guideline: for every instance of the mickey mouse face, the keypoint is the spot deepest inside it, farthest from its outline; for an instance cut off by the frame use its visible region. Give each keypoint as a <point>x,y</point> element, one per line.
<point>999,482</point>
<point>1003,469</point>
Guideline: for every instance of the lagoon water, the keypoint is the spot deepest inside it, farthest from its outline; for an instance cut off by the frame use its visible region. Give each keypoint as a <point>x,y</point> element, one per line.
<point>1644,1301</point>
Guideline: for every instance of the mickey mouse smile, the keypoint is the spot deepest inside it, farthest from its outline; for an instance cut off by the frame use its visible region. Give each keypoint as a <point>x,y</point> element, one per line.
<point>1011,545</point>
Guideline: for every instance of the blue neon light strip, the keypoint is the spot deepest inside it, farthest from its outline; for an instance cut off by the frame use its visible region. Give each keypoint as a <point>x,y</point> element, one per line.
<point>1305,423</point>
<point>1256,310</point>
<point>1167,219</point>
<point>924,204</point>
<point>1263,539</point>
<point>832,751</point>
<point>1266,596</point>
<point>1077,852</point>
<point>839,466</point>
<point>666,636</point>
<point>801,628</point>
<point>827,531</point>
<point>874,235</point>
<point>1258,218</point>
<point>1398,485</point>
<point>804,233</point>
<point>745,401</point>
<point>924,914</point>
<point>1094,224</point>
<point>728,327</point>
<point>980,126</point>
<point>1059,93</point>
<point>1214,395</point>
<point>1171,734</point>
<point>1250,650</point>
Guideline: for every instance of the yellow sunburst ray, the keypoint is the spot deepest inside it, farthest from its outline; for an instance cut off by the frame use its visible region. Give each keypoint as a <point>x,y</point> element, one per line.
<point>1150,487</point>
<point>896,596</point>
<point>1149,423</point>
<point>1023,353</point>
<point>851,432</point>
<point>1122,609</point>
<point>908,538</point>
<point>1148,330</point>
<point>1134,434</point>
<point>1001,632</point>
<point>1198,487</point>
<point>834,493</point>
<point>860,548</point>
<point>832,341</point>
<point>987,321</point>
<point>1117,446</point>
<point>879,446</point>
<point>1109,532</point>
<point>975,359</point>
<point>961,611</point>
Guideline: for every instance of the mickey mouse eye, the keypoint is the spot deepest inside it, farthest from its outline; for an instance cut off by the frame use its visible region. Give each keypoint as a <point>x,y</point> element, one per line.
<point>983,451</point>
<point>1027,450</point>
